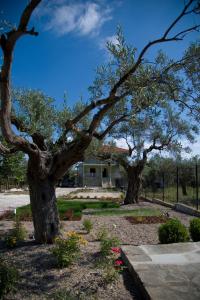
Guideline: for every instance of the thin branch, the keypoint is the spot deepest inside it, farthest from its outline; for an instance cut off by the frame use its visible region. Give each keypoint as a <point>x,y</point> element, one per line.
<point>37,137</point>
<point>178,18</point>
<point>100,136</point>
<point>163,39</point>
<point>156,147</point>
<point>130,149</point>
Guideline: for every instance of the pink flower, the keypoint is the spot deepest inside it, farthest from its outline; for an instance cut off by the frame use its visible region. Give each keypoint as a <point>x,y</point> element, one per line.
<point>119,262</point>
<point>116,250</point>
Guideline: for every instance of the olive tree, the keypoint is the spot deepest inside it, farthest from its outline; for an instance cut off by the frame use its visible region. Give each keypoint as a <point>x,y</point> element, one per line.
<point>48,162</point>
<point>172,116</point>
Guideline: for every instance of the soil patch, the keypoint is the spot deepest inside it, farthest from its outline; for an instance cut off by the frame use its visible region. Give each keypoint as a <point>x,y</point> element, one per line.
<point>147,219</point>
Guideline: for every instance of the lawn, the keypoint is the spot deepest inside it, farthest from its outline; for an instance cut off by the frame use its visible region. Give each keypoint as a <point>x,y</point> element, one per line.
<point>101,208</point>
<point>126,212</point>
<point>24,212</point>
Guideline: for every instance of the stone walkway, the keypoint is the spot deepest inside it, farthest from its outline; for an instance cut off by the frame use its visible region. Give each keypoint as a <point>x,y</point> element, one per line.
<point>165,272</point>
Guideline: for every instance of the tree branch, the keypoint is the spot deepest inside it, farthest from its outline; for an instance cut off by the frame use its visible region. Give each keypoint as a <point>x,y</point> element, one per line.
<point>4,150</point>
<point>100,136</point>
<point>7,44</point>
<point>155,147</point>
<point>163,39</point>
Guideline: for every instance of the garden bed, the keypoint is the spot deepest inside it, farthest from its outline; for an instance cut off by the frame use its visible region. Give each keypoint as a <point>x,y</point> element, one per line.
<point>40,279</point>
<point>147,219</point>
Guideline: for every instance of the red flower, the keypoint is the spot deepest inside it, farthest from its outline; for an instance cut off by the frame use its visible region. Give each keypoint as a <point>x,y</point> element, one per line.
<point>119,262</point>
<point>116,250</point>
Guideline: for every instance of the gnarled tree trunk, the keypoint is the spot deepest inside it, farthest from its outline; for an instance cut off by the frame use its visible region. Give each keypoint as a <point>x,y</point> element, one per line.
<point>134,182</point>
<point>43,202</point>
<point>44,210</point>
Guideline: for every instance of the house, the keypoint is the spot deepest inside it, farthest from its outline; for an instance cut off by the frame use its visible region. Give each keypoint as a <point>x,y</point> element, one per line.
<point>94,172</point>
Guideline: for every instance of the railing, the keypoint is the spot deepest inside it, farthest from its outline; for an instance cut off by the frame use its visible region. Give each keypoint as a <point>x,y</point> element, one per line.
<point>180,185</point>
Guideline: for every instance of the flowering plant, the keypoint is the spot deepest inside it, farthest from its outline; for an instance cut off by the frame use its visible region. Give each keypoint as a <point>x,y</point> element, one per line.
<point>116,250</point>
<point>118,262</point>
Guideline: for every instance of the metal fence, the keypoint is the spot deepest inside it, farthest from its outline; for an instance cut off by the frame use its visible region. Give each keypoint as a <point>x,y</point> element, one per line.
<point>178,185</point>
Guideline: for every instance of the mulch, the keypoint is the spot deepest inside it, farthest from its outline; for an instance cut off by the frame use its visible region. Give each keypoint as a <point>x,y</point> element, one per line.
<point>147,219</point>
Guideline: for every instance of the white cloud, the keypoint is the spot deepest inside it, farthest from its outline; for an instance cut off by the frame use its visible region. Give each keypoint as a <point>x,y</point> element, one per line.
<point>112,39</point>
<point>195,147</point>
<point>83,18</point>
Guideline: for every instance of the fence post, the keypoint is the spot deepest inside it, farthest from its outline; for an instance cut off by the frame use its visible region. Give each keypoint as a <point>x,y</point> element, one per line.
<point>163,187</point>
<point>197,188</point>
<point>177,182</point>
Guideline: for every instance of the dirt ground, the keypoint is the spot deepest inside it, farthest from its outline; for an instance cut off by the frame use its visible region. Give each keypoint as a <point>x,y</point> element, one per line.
<point>40,279</point>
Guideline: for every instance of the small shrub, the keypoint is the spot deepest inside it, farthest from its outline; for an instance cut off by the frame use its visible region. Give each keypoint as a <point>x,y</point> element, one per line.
<point>8,278</point>
<point>10,241</point>
<point>173,231</point>
<point>88,225</point>
<point>102,234</point>
<point>19,231</point>
<point>107,244</point>
<point>195,230</point>
<point>110,274</point>
<point>17,234</point>
<point>66,251</point>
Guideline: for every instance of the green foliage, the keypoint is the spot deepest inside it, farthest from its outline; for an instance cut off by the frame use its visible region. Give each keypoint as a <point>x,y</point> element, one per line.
<point>13,166</point>
<point>16,235</point>
<point>66,251</point>
<point>195,230</point>
<point>126,212</point>
<point>173,231</point>
<point>8,277</point>
<point>64,205</point>
<point>63,294</point>
<point>106,244</point>
<point>102,234</point>
<point>88,225</point>
<point>107,256</point>
<point>110,274</point>
<point>36,110</point>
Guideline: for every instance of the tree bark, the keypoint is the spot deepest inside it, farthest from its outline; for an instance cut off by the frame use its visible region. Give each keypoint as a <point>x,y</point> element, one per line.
<point>134,182</point>
<point>43,203</point>
<point>184,188</point>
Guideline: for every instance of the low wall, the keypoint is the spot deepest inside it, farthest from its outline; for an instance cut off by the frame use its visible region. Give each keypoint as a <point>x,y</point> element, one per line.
<point>158,201</point>
<point>177,206</point>
<point>187,209</point>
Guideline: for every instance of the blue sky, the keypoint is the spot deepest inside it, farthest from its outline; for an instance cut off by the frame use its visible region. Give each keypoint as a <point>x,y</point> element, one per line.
<point>72,36</point>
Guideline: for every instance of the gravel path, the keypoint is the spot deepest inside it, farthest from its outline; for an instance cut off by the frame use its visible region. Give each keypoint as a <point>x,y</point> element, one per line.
<point>40,277</point>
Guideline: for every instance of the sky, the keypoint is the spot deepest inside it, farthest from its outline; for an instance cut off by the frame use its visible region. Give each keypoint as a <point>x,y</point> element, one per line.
<point>72,35</point>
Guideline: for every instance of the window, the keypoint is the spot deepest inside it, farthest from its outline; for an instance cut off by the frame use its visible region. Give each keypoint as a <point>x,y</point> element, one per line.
<point>92,172</point>
<point>105,173</point>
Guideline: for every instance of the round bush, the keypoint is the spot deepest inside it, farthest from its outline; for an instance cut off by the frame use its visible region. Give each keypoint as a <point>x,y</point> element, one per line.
<point>173,231</point>
<point>195,230</point>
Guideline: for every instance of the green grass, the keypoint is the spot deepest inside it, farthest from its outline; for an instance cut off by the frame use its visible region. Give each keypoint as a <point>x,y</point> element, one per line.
<point>171,195</point>
<point>63,206</point>
<point>126,212</point>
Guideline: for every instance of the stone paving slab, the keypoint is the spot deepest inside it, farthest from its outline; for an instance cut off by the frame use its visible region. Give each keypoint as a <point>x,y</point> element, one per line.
<point>164,272</point>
